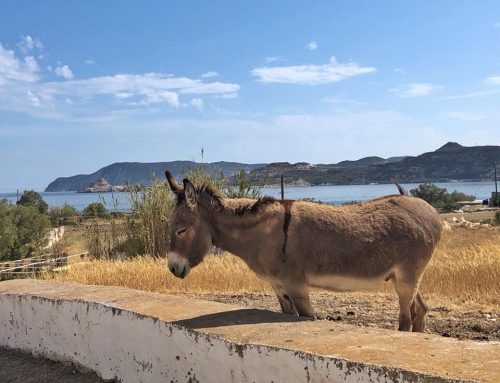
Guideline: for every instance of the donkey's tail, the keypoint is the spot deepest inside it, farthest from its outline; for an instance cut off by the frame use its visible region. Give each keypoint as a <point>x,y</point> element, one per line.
<point>401,189</point>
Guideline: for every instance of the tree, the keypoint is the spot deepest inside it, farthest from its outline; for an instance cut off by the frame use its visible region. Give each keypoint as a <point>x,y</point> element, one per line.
<point>32,198</point>
<point>95,209</point>
<point>23,231</point>
<point>7,231</point>
<point>31,231</point>
<point>439,197</point>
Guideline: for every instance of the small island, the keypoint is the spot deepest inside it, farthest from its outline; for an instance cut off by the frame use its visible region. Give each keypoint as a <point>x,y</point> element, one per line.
<point>103,186</point>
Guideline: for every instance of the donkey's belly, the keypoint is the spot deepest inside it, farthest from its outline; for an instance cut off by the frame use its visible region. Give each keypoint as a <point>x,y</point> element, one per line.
<point>344,283</point>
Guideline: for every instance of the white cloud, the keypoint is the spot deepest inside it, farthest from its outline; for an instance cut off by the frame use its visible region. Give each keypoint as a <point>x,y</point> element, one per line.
<point>21,88</point>
<point>209,74</point>
<point>28,43</point>
<point>493,80</point>
<point>89,61</point>
<point>310,74</point>
<point>481,93</point>
<point>271,59</point>
<point>17,69</point>
<point>313,45</point>
<point>197,103</point>
<point>467,116</point>
<point>163,96</point>
<point>400,70</point>
<point>415,90</point>
<point>64,71</point>
<point>339,100</point>
<point>35,101</point>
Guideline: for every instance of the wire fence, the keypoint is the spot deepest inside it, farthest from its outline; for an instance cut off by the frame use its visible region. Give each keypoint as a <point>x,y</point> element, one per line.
<point>33,265</point>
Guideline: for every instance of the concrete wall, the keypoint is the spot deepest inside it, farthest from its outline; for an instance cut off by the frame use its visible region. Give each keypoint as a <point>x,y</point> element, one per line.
<point>132,347</point>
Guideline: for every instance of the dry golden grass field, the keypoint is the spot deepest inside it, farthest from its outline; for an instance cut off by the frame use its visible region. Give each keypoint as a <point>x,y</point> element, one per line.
<point>465,266</point>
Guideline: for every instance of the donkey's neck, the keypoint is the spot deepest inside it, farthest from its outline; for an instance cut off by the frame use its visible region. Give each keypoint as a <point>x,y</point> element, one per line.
<point>235,226</point>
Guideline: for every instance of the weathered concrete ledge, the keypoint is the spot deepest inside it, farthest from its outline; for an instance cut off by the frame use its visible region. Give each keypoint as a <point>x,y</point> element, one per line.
<point>145,337</point>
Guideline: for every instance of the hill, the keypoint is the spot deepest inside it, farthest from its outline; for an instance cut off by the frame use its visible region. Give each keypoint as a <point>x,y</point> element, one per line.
<point>120,173</point>
<point>448,163</point>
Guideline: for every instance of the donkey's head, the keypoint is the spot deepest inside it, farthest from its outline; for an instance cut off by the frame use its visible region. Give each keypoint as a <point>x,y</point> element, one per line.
<point>190,236</point>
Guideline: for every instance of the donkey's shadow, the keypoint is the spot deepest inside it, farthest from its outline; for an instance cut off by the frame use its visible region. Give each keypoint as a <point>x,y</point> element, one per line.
<point>238,317</point>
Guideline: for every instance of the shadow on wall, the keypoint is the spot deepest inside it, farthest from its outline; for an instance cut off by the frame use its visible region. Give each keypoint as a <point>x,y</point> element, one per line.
<point>237,317</point>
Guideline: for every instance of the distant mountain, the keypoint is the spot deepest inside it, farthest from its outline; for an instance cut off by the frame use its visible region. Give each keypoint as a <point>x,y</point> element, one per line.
<point>140,173</point>
<point>450,146</point>
<point>450,162</point>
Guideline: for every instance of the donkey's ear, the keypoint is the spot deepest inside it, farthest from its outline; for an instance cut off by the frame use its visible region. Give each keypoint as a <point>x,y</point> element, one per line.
<point>190,193</point>
<point>173,183</point>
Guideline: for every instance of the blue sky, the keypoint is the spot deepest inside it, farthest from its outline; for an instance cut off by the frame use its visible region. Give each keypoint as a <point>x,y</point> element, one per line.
<point>86,84</point>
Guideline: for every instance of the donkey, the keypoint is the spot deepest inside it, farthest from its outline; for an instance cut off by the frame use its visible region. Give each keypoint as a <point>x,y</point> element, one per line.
<point>295,245</point>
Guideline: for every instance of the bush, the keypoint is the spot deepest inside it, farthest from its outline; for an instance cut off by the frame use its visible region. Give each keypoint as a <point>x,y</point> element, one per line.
<point>148,227</point>
<point>439,197</point>
<point>60,213</point>
<point>7,231</point>
<point>244,187</point>
<point>199,177</point>
<point>32,198</point>
<point>23,231</point>
<point>95,209</point>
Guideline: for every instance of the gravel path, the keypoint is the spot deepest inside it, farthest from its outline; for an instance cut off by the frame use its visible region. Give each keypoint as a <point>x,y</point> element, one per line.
<point>21,367</point>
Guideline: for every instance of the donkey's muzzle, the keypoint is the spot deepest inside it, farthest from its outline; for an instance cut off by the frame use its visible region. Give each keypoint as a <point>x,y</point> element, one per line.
<point>178,272</point>
<point>178,265</point>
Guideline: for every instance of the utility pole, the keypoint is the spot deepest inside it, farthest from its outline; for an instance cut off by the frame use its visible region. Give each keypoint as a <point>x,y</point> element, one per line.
<point>497,197</point>
<point>282,188</point>
<point>17,194</point>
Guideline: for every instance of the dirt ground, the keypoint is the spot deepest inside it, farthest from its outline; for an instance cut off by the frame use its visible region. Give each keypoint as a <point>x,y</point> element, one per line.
<point>21,367</point>
<point>381,310</point>
<point>478,214</point>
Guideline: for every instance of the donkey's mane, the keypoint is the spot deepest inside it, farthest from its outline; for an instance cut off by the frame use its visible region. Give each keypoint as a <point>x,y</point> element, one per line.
<point>217,202</point>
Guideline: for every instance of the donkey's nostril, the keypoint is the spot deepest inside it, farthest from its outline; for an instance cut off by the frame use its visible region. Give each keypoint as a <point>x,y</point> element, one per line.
<point>172,269</point>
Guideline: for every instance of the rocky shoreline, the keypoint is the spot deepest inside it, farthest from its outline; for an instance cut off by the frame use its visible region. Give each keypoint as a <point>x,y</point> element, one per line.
<point>103,186</point>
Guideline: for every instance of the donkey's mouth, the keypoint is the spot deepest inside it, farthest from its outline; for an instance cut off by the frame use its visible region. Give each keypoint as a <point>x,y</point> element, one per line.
<point>180,273</point>
<point>184,272</point>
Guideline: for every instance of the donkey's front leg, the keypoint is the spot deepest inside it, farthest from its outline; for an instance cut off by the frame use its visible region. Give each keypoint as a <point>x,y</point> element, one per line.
<point>294,299</point>
<point>287,306</point>
<point>299,294</point>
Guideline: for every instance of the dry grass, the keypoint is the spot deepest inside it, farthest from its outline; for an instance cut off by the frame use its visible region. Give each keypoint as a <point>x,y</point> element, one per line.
<point>465,268</point>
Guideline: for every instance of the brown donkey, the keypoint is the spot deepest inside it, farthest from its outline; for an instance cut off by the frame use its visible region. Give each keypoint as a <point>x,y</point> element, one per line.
<point>296,245</point>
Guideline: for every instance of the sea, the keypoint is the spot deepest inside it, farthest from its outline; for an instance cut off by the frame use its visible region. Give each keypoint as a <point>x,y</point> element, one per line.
<point>329,194</point>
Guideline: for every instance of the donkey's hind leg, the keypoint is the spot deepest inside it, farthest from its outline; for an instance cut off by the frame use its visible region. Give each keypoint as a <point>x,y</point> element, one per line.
<point>420,310</point>
<point>406,289</point>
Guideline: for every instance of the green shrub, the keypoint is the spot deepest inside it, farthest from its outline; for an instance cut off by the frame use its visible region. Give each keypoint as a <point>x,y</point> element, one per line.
<point>32,198</point>
<point>58,214</point>
<point>244,186</point>
<point>8,233</point>
<point>148,227</point>
<point>200,176</point>
<point>439,197</point>
<point>23,231</point>
<point>95,209</point>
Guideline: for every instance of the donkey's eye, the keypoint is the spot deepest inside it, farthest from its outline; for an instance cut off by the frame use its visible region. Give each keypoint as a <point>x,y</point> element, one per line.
<point>182,231</point>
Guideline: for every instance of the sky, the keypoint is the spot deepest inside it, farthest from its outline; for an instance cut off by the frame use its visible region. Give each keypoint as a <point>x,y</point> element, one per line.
<point>87,84</point>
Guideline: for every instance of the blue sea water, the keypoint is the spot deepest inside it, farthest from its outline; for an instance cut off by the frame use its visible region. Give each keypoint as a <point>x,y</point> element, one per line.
<point>329,194</point>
